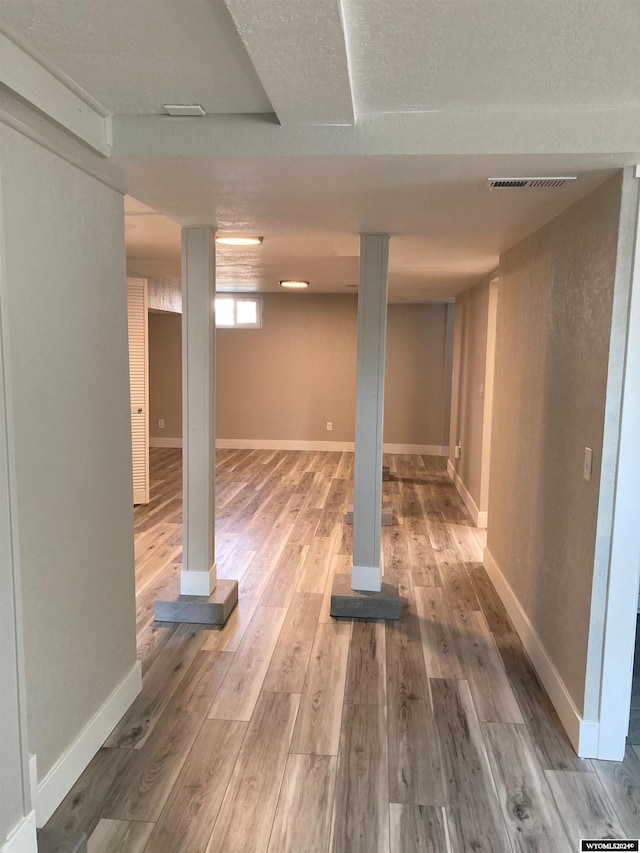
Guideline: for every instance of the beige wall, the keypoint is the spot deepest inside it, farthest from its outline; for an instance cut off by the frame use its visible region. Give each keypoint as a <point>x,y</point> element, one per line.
<point>165,375</point>
<point>415,379</point>
<point>67,337</point>
<point>13,759</point>
<point>286,380</point>
<point>469,388</point>
<point>552,349</point>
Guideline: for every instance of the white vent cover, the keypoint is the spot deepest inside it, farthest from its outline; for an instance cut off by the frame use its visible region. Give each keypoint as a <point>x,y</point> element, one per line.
<point>528,183</point>
<point>184,109</point>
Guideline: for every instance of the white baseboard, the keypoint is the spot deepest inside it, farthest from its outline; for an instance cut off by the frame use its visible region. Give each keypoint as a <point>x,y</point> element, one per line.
<point>33,778</point>
<point>417,449</point>
<point>480,517</point>
<point>165,442</point>
<point>280,444</point>
<point>341,446</point>
<point>583,734</point>
<point>66,771</point>
<point>23,838</point>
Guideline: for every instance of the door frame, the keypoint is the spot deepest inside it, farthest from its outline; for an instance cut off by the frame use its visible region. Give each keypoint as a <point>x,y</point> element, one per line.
<point>624,555</point>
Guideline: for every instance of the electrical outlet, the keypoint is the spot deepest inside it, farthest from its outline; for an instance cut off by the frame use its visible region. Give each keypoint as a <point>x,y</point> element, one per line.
<point>161,423</point>
<point>329,426</point>
<point>458,451</point>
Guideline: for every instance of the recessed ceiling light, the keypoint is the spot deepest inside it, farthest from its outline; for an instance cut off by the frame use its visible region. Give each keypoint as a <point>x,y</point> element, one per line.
<point>184,109</point>
<point>295,283</point>
<point>239,241</point>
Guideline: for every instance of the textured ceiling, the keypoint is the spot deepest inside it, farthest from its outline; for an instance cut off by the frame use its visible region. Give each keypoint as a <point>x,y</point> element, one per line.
<point>418,55</point>
<point>133,56</point>
<point>498,82</point>
<point>447,228</point>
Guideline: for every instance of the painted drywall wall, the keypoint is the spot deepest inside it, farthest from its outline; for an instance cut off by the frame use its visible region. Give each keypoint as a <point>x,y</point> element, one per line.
<point>13,757</point>
<point>165,375</point>
<point>414,392</point>
<point>67,338</point>
<point>552,351</point>
<point>286,380</point>
<point>469,380</point>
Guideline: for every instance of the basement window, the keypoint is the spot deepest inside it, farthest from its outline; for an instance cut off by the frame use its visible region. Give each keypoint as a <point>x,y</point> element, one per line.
<point>238,312</point>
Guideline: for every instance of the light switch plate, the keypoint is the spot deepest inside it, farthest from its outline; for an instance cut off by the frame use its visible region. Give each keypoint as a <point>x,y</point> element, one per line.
<point>587,465</point>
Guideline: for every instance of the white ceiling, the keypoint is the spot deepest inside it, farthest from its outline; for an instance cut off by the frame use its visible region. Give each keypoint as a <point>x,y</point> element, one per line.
<point>447,228</point>
<point>420,55</point>
<point>134,56</point>
<point>441,95</point>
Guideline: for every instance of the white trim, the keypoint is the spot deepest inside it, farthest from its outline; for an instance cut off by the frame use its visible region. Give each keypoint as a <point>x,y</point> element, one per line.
<point>198,583</point>
<point>23,838</point>
<point>53,96</point>
<point>33,778</point>
<point>479,516</point>
<point>418,449</point>
<point>623,553</point>
<point>583,734</point>
<point>297,444</point>
<point>281,444</point>
<point>165,442</point>
<point>366,578</point>
<point>66,771</point>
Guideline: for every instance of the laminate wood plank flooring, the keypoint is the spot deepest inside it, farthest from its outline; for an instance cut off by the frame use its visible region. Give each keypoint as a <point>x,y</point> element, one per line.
<point>422,561</point>
<point>417,829</point>
<point>621,782</point>
<point>229,637</point>
<point>438,631</point>
<point>341,735</point>
<point>366,671</point>
<point>305,806</point>
<point>361,810</point>
<point>474,815</point>
<point>120,836</point>
<point>161,682</point>
<point>313,577</point>
<point>239,693</point>
<point>583,805</point>
<point>291,655</point>
<point>318,728</point>
<point>141,791</point>
<point>532,820</point>
<point>186,823</point>
<point>492,694</point>
<point>414,750</point>
<point>551,743</point>
<point>246,817</point>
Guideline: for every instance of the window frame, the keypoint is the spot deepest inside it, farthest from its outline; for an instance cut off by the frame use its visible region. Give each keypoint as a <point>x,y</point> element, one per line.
<point>236,299</point>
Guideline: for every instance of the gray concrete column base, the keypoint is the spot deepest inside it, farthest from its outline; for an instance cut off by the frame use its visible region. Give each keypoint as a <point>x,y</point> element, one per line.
<point>200,609</point>
<point>357,604</point>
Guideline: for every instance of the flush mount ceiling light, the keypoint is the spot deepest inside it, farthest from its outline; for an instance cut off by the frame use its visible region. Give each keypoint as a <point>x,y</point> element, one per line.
<point>238,241</point>
<point>294,283</point>
<point>184,109</point>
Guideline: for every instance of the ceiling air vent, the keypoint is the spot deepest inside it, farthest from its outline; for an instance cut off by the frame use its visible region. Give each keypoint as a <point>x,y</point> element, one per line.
<point>528,183</point>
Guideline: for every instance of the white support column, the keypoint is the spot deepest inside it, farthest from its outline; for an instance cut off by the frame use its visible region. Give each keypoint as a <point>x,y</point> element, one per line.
<point>198,411</point>
<point>366,572</point>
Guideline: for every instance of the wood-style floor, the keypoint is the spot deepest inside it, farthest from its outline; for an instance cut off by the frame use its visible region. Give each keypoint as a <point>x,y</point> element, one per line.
<point>289,731</point>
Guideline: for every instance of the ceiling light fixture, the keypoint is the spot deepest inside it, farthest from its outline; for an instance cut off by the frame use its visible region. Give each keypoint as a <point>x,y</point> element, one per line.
<point>184,109</point>
<point>294,283</point>
<point>239,241</point>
